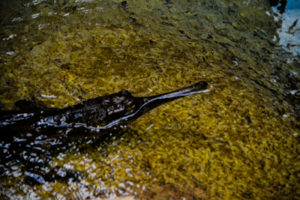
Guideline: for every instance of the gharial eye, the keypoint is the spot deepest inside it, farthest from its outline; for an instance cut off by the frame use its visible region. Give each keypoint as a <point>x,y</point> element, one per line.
<point>118,99</point>
<point>129,105</point>
<point>124,92</point>
<point>128,102</point>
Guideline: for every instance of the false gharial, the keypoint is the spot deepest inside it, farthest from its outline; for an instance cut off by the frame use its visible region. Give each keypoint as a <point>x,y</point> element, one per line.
<point>94,115</point>
<point>33,134</point>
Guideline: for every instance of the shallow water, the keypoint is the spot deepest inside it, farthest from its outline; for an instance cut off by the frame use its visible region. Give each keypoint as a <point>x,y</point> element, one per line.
<point>239,141</point>
<point>289,31</point>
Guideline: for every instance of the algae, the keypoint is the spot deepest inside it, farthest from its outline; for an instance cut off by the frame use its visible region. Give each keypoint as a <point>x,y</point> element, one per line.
<point>239,141</point>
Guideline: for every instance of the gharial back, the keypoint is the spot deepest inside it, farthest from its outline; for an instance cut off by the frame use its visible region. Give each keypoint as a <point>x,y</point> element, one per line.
<point>91,113</point>
<point>102,110</point>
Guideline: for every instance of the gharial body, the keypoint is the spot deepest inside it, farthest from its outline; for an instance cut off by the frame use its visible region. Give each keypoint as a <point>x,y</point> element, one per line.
<point>32,136</point>
<point>98,114</point>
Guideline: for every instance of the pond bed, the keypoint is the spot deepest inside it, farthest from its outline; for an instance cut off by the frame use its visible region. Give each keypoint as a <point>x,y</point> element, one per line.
<point>238,141</point>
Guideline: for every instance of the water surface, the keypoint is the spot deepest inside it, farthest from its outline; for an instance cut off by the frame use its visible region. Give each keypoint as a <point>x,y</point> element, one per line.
<point>239,141</point>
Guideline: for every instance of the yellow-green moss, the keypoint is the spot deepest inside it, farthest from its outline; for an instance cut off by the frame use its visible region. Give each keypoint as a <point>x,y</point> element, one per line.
<point>231,143</point>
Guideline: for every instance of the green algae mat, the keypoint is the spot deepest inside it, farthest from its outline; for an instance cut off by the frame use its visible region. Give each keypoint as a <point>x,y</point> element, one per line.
<point>238,141</point>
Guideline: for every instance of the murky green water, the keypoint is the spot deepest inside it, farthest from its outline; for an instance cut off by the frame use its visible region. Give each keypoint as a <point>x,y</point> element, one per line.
<point>239,141</point>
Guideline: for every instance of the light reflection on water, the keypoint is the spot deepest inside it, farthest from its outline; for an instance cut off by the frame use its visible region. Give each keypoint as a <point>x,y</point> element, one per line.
<point>289,32</point>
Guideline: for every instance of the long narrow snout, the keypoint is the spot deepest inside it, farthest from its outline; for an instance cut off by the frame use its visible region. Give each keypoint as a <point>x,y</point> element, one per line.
<point>154,101</point>
<point>197,88</point>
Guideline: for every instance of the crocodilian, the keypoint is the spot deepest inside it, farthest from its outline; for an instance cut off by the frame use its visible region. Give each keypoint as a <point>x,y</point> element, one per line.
<point>32,135</point>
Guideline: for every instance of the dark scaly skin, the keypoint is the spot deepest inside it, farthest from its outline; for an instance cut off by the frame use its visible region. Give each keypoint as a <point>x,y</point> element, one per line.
<point>31,137</point>
<point>96,114</point>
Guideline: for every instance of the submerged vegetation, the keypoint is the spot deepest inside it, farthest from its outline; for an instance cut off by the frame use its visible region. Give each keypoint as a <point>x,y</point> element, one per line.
<point>239,141</point>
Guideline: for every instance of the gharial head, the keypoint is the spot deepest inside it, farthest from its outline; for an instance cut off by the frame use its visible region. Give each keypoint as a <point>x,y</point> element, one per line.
<point>119,103</point>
